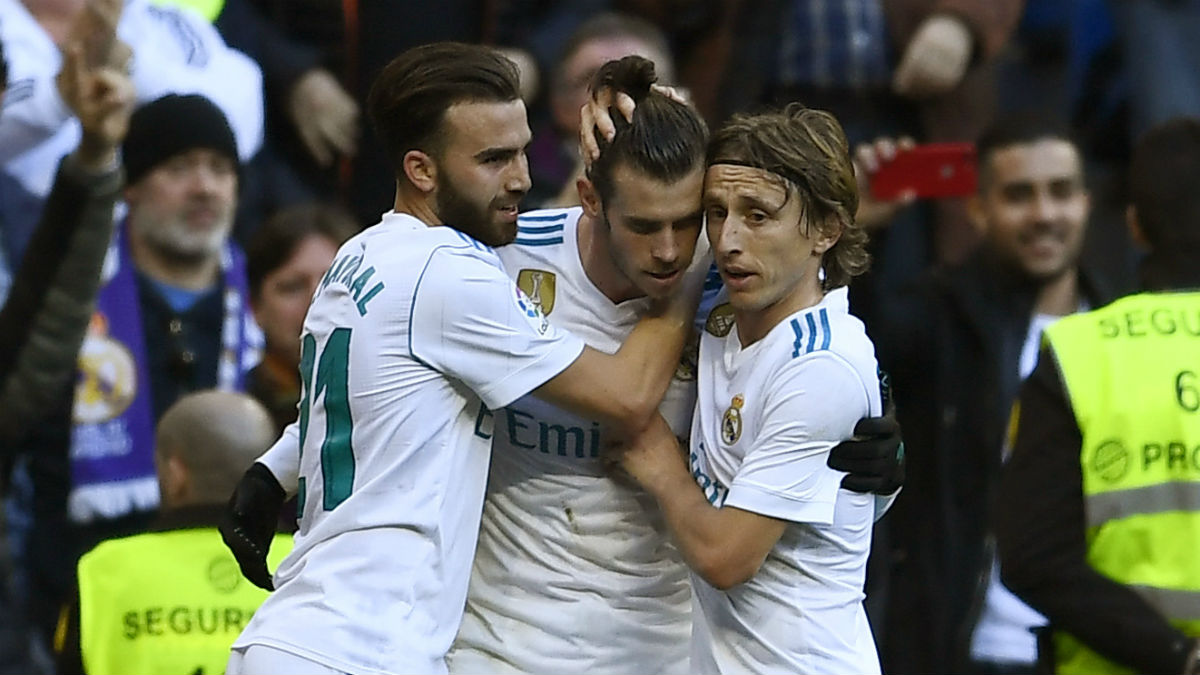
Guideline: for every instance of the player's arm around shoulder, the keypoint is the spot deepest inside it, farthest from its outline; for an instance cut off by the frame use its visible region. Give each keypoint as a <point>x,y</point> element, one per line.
<point>811,403</point>
<point>724,545</point>
<point>625,389</point>
<point>470,321</point>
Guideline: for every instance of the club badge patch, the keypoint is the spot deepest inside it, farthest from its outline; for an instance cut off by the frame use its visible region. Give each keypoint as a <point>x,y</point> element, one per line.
<point>720,320</point>
<point>539,287</point>
<point>107,380</point>
<point>731,422</point>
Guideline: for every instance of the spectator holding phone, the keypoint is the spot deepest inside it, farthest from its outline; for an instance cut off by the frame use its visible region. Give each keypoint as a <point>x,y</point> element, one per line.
<point>958,343</point>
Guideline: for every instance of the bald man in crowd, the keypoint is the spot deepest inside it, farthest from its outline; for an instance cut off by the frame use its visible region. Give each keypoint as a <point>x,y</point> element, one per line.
<point>172,600</point>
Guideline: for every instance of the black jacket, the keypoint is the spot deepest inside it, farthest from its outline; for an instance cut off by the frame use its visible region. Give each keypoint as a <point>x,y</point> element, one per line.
<point>44,319</point>
<point>1042,544</point>
<point>952,344</point>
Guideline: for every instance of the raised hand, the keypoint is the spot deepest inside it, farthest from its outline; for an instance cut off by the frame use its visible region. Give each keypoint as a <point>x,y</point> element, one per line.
<point>868,157</point>
<point>935,59</point>
<point>102,97</point>
<point>326,117</point>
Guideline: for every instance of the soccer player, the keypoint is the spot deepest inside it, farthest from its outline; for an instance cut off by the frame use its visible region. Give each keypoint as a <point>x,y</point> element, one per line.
<point>412,327</point>
<point>573,572</point>
<point>777,548</point>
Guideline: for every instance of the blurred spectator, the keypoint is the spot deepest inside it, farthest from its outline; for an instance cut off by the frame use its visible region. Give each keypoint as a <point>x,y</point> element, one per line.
<point>554,154</point>
<point>920,68</point>
<point>173,52</point>
<point>311,120</point>
<point>285,261</point>
<point>43,321</point>
<point>375,31</point>
<point>1098,511</point>
<point>1162,59</point>
<point>957,344</point>
<point>172,601</point>
<point>172,317</point>
<point>361,36</point>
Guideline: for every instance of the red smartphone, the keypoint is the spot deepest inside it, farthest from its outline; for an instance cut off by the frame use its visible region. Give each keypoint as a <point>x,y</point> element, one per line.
<point>930,171</point>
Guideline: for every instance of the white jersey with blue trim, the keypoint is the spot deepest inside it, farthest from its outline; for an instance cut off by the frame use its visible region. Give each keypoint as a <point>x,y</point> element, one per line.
<point>766,419</point>
<point>410,329</point>
<point>574,572</point>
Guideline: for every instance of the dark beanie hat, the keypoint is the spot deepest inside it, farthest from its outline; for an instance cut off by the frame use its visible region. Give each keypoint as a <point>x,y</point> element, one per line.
<point>172,125</point>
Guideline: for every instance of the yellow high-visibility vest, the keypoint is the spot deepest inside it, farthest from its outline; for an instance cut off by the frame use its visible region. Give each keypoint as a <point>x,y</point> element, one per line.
<point>1132,373</point>
<point>165,603</point>
<point>209,9</point>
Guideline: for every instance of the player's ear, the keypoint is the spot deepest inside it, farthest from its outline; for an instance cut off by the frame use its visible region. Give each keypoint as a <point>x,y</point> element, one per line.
<point>174,478</point>
<point>1134,224</point>
<point>589,198</point>
<point>826,235</point>
<point>421,170</point>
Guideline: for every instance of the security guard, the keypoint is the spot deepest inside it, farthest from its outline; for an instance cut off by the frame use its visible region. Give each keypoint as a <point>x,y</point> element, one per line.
<point>1099,514</point>
<point>173,600</point>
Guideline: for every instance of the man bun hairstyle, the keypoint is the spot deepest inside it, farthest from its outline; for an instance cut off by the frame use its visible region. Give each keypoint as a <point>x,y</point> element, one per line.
<point>665,141</point>
<point>808,152</point>
<point>408,100</point>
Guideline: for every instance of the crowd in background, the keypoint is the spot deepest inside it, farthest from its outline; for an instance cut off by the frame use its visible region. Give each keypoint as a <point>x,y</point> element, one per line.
<point>265,97</point>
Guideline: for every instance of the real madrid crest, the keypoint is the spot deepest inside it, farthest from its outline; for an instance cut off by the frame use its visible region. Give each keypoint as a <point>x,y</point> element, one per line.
<point>720,320</point>
<point>107,376</point>
<point>539,286</point>
<point>731,422</point>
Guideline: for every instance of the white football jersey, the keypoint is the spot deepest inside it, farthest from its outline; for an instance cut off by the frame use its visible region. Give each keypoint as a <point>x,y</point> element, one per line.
<point>410,328</point>
<point>766,419</point>
<point>574,572</point>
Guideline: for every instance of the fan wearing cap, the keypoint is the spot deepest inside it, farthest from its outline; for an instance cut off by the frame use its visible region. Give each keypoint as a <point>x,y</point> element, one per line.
<point>172,317</point>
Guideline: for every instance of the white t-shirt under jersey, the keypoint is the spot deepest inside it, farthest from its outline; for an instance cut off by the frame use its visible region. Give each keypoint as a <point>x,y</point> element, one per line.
<point>766,419</point>
<point>411,327</point>
<point>574,573</point>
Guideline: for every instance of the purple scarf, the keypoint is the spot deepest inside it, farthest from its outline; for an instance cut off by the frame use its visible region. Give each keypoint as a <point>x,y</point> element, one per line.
<point>112,440</point>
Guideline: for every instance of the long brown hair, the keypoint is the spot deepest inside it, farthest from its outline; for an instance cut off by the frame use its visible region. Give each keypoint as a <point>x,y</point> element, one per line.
<point>808,151</point>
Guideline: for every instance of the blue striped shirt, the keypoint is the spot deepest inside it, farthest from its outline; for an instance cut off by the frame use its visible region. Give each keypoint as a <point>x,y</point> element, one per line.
<point>834,44</point>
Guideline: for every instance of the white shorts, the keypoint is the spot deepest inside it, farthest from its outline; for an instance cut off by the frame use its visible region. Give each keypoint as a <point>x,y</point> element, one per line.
<point>264,660</point>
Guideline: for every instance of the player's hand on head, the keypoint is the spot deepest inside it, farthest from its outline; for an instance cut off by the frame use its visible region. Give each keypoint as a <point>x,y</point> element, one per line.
<point>595,118</point>
<point>868,159</point>
<point>873,458</point>
<point>249,521</point>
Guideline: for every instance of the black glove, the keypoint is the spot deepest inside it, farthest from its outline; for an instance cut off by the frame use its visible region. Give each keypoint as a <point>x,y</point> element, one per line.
<point>249,522</point>
<point>874,458</point>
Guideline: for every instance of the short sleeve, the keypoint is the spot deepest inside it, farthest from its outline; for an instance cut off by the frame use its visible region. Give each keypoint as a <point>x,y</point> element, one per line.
<point>471,322</point>
<point>812,404</point>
